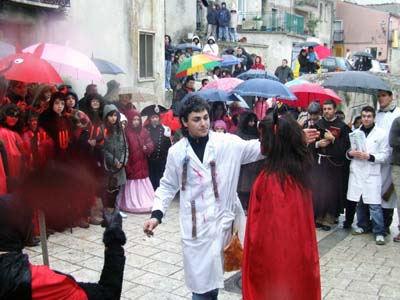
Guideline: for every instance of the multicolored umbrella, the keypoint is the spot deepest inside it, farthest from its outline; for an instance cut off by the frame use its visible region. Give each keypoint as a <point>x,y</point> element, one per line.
<point>197,63</point>
<point>223,84</point>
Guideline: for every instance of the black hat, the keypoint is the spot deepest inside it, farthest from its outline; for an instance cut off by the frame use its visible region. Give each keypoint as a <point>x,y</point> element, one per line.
<point>152,110</point>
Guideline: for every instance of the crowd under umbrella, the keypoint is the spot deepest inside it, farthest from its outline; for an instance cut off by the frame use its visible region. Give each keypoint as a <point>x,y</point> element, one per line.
<point>67,61</point>
<point>251,74</point>
<point>107,67</point>
<point>356,82</point>
<point>29,68</point>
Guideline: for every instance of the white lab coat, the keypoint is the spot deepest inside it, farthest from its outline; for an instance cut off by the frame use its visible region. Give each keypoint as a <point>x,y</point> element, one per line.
<point>384,120</point>
<point>202,256</point>
<point>365,176</point>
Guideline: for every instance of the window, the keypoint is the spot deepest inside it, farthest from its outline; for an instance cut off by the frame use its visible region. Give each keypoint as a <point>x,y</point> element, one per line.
<point>146,57</point>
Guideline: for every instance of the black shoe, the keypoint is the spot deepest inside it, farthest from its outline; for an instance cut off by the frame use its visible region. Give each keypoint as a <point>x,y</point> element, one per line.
<point>33,242</point>
<point>326,227</point>
<point>346,225</point>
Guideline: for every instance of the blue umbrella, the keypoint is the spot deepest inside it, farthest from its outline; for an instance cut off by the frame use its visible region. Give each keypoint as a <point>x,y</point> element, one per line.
<point>296,82</point>
<point>230,60</point>
<point>251,74</point>
<point>211,95</point>
<point>264,88</point>
<point>188,45</point>
<point>107,67</point>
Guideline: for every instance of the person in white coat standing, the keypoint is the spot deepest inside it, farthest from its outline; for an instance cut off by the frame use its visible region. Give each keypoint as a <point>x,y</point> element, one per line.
<point>204,166</point>
<point>365,176</point>
<point>388,111</point>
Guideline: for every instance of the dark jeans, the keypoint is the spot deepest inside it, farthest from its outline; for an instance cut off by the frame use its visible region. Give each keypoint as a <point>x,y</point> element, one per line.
<point>375,210</point>
<point>211,295</point>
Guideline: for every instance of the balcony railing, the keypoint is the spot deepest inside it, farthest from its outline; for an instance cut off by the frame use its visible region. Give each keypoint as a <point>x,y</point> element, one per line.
<point>279,21</point>
<point>56,4</point>
<point>313,3</point>
<point>338,36</point>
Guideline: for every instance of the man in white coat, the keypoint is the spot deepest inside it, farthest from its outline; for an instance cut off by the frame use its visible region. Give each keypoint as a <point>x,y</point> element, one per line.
<point>365,175</point>
<point>204,166</point>
<point>388,111</point>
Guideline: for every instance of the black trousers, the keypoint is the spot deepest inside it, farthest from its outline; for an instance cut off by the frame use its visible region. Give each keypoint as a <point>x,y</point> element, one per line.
<point>387,216</point>
<point>350,212</point>
<point>156,171</point>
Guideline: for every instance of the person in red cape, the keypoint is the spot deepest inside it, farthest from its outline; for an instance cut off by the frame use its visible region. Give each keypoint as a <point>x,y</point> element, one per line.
<point>280,260</point>
<point>258,65</point>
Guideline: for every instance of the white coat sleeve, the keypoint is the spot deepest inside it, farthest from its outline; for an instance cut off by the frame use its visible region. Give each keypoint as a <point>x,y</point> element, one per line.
<point>169,186</point>
<point>383,153</point>
<point>251,151</point>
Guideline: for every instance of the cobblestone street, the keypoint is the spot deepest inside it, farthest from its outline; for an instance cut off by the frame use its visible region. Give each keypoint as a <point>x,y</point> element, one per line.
<point>352,267</point>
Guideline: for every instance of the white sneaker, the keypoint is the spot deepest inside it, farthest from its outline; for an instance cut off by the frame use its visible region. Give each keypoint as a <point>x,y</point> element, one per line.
<point>123,215</point>
<point>357,231</point>
<point>380,239</point>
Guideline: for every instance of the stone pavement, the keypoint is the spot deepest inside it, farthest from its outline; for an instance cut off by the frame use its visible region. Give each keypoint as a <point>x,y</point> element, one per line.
<point>352,267</point>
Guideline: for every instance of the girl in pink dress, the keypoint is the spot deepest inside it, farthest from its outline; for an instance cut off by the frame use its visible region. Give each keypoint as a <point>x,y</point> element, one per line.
<point>137,194</point>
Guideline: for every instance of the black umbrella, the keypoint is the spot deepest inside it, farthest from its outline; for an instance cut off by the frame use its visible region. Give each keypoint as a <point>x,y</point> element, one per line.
<point>363,54</point>
<point>107,67</point>
<point>357,82</point>
<point>153,109</point>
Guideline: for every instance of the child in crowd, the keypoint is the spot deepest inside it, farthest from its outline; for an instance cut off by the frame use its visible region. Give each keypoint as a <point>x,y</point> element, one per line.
<point>220,126</point>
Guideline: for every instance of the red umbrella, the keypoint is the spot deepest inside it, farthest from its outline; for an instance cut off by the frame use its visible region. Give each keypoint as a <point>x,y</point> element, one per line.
<point>308,92</point>
<point>322,52</point>
<point>28,68</point>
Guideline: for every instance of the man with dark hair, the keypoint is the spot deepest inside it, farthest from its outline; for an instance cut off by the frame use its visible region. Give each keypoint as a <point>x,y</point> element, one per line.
<point>204,166</point>
<point>284,72</point>
<point>329,168</point>
<point>187,87</point>
<point>365,180</point>
<point>91,89</point>
<point>387,113</point>
<point>204,82</point>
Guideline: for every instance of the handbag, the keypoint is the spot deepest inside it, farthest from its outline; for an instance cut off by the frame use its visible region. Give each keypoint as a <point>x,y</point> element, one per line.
<point>233,254</point>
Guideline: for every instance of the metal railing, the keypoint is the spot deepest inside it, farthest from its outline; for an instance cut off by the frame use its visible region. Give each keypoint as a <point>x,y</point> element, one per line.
<point>279,21</point>
<point>313,3</point>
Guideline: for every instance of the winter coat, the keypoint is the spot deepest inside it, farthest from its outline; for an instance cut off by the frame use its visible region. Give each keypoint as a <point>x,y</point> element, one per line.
<point>169,51</point>
<point>234,20</point>
<point>304,64</point>
<point>394,141</point>
<point>259,65</point>
<point>161,137</point>
<point>224,17</point>
<point>211,49</point>
<point>284,74</point>
<point>115,149</point>
<point>137,138</point>
<point>365,176</point>
<point>212,16</point>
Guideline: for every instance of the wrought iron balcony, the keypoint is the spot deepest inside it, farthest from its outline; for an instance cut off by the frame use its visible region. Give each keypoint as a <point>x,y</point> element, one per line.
<point>49,4</point>
<point>338,36</point>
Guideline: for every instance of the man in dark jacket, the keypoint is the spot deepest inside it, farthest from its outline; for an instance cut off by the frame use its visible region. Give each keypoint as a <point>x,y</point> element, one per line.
<point>169,51</point>
<point>284,72</point>
<point>161,137</point>
<point>224,18</point>
<point>188,87</point>
<point>212,21</point>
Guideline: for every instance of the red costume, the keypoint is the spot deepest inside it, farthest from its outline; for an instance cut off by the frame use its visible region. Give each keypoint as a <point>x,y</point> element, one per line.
<point>280,252</point>
<point>258,65</point>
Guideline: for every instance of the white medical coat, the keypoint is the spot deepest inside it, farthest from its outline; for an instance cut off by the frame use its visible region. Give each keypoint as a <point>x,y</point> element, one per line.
<point>203,256</point>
